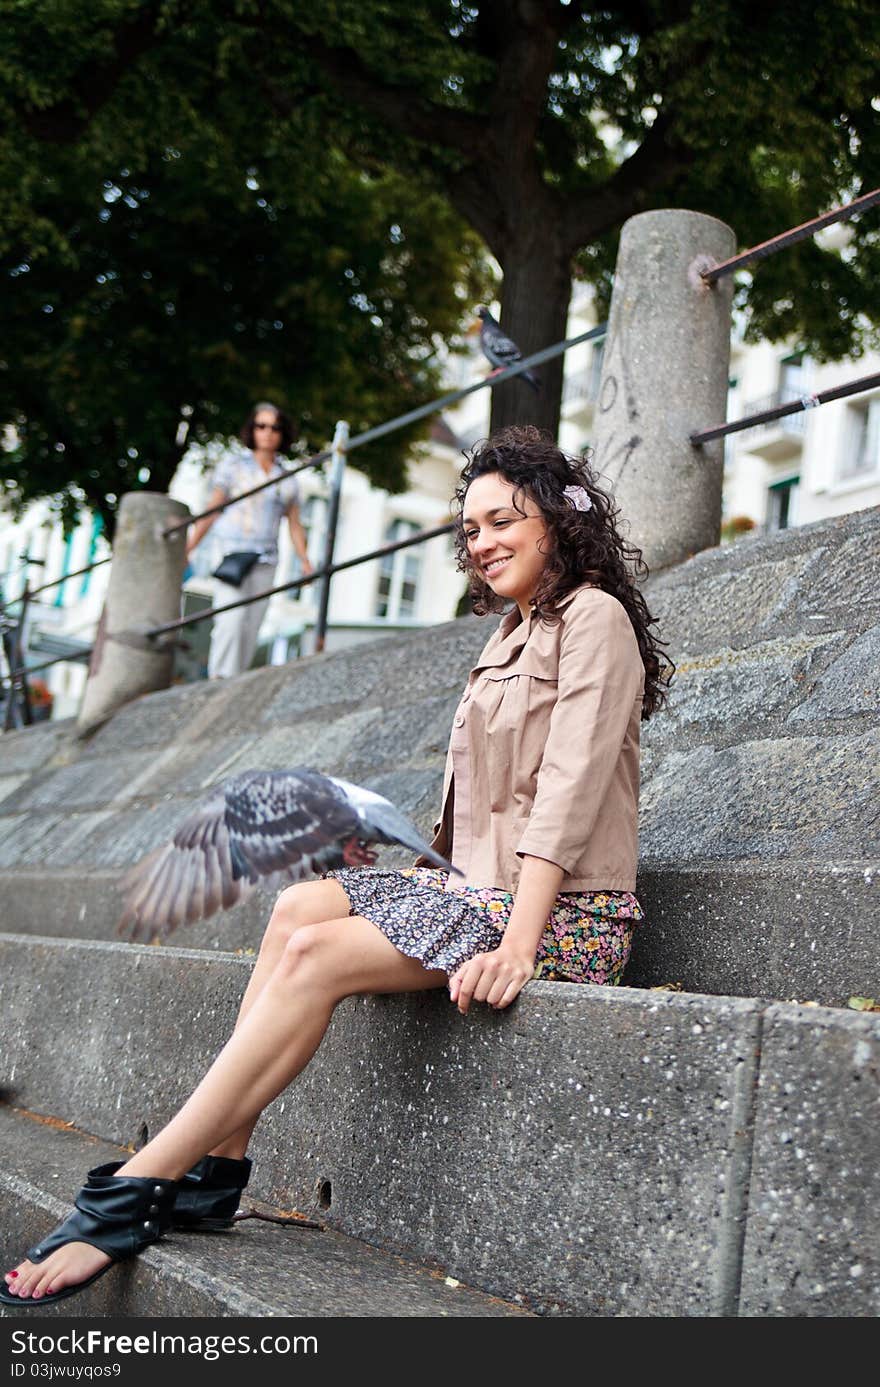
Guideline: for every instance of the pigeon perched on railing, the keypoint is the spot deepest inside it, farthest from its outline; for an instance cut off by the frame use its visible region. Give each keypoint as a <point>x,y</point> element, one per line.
<point>280,825</point>
<point>499,349</point>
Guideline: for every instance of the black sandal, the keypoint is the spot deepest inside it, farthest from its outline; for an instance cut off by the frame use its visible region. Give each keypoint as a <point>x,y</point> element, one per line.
<point>119,1215</point>
<point>209,1194</point>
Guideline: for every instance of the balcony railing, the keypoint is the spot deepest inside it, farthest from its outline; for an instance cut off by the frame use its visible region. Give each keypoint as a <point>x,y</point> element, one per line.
<point>789,423</point>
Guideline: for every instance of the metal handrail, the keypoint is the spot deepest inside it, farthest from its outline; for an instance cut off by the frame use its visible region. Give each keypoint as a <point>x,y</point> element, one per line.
<point>327,570</point>
<point>77,573</point>
<point>400,421</point>
<point>74,658</point>
<point>766,416</point>
<point>790,238</point>
<point>785,395</point>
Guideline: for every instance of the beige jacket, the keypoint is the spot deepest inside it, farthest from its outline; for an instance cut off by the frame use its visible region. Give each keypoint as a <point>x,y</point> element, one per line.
<point>553,717</point>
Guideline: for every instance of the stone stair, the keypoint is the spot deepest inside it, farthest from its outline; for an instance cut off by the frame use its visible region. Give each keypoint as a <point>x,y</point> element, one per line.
<point>591,1152</point>
<point>760,811</point>
<point>258,1269</point>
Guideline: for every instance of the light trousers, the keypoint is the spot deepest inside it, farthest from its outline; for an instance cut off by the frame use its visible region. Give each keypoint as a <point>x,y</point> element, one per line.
<point>234,634</point>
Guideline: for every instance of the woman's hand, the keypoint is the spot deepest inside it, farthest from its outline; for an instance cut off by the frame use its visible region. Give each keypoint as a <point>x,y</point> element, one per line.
<point>499,976</point>
<point>496,978</point>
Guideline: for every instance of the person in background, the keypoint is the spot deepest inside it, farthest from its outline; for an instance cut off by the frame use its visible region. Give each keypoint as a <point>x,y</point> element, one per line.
<point>251,526</point>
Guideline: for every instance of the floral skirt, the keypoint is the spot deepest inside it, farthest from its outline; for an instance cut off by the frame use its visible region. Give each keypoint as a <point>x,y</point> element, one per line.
<point>587,937</point>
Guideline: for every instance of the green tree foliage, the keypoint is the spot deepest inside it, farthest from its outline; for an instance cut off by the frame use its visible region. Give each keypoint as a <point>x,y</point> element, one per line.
<point>162,271</point>
<point>549,123</point>
<point>543,124</point>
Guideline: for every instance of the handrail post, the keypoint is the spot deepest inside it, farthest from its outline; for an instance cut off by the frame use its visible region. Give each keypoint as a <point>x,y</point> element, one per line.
<point>337,471</point>
<point>144,590</point>
<point>21,653</point>
<point>15,652</point>
<point>8,636</point>
<point>665,373</point>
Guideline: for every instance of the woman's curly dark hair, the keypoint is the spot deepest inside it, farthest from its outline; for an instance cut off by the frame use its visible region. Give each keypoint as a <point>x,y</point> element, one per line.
<point>287,435</point>
<point>586,546</point>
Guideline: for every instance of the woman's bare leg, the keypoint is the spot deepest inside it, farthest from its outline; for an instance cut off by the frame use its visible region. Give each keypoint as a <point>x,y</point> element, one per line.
<point>285,1022</point>
<point>307,903</point>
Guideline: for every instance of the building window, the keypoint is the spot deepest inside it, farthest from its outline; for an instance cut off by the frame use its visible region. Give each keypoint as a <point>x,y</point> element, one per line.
<point>862,451</point>
<point>782,504</point>
<point>792,378</point>
<point>399,575</point>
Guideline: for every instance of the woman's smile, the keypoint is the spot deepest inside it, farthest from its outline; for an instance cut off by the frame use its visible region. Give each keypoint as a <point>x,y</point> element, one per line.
<point>494,565</point>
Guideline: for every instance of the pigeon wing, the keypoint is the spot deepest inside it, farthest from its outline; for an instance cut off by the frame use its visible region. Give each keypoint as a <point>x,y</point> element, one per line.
<point>265,825</point>
<point>187,879</point>
<point>294,822</point>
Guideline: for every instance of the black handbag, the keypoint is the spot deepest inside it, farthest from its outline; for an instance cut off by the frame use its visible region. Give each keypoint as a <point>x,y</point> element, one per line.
<point>234,568</point>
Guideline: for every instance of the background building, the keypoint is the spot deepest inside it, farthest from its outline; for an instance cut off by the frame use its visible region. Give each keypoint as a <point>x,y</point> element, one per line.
<point>805,467</point>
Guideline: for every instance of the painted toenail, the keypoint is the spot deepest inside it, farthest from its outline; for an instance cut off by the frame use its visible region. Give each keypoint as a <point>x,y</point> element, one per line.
<point>12,1273</point>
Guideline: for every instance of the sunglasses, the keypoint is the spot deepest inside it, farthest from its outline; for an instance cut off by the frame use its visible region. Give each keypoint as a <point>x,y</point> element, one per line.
<point>260,424</point>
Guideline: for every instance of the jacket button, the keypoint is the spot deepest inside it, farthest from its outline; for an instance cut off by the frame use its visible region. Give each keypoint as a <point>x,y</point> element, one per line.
<point>148,1225</point>
<point>153,1209</point>
<point>459,720</point>
<point>157,1190</point>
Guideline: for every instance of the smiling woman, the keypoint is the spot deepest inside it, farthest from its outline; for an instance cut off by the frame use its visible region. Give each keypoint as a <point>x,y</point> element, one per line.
<point>541,785</point>
<point>539,816</point>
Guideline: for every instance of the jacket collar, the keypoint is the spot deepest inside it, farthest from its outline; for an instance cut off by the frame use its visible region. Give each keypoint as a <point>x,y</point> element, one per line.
<point>512,633</point>
<point>510,636</point>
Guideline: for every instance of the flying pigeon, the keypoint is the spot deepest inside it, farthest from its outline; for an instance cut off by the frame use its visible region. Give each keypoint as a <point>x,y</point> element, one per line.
<point>499,349</point>
<point>269,824</point>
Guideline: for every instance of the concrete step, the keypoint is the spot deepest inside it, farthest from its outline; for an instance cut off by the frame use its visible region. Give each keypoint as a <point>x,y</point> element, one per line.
<point>759,816</point>
<point>599,1151</point>
<point>256,1269</point>
<point>788,930</point>
<point>746,928</point>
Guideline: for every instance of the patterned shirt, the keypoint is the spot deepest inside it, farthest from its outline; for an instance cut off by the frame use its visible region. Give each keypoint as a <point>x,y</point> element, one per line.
<point>252,525</point>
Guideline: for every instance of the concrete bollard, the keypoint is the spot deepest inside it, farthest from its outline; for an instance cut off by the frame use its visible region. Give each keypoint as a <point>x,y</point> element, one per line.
<point>664,374</point>
<point>144,591</point>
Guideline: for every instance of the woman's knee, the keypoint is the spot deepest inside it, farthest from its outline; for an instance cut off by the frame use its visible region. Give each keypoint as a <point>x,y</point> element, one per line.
<point>289,914</point>
<point>310,955</point>
<point>306,903</point>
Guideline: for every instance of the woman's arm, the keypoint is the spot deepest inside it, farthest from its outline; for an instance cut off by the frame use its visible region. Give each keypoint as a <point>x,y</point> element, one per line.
<point>197,532</point>
<point>499,976</point>
<point>298,538</point>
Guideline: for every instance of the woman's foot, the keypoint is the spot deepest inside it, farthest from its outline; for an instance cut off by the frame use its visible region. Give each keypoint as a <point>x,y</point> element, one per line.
<point>69,1266</point>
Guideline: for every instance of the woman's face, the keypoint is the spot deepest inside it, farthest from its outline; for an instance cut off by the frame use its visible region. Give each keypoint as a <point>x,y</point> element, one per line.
<point>267,429</point>
<point>504,545</point>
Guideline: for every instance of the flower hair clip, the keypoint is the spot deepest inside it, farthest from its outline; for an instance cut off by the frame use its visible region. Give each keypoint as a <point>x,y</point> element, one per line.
<point>579,497</point>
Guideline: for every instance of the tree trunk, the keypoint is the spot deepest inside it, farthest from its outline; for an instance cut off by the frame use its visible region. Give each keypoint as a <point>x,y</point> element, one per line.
<point>534,312</point>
